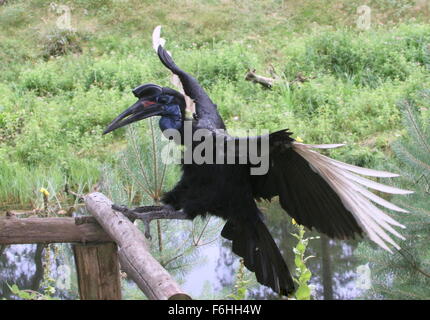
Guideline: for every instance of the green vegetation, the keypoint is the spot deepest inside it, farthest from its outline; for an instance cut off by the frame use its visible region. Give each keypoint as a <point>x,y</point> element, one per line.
<point>59,89</point>
<point>241,283</point>
<point>302,274</point>
<point>406,274</point>
<point>29,294</point>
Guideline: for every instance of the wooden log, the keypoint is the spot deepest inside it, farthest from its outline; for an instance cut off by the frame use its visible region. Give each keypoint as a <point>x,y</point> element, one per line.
<point>49,230</point>
<point>270,82</point>
<point>255,78</point>
<point>98,272</point>
<point>11,213</point>
<point>136,260</point>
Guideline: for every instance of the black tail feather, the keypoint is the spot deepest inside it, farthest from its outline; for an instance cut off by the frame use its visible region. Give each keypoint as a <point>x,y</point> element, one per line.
<point>252,241</point>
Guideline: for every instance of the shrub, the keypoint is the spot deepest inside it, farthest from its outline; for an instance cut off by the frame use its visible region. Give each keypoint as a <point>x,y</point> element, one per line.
<point>61,42</point>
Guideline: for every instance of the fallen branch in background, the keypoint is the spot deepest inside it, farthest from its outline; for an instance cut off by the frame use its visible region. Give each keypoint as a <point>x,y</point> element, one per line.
<point>264,81</point>
<point>268,83</point>
<point>37,212</point>
<point>33,212</point>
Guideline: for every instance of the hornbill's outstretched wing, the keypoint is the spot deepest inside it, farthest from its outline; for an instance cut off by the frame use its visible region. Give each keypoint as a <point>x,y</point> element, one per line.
<point>326,194</point>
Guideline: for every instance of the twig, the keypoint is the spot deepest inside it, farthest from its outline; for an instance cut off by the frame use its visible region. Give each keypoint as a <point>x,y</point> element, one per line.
<point>414,264</point>
<point>172,259</point>
<point>162,178</point>
<point>196,243</point>
<point>427,187</point>
<point>154,161</point>
<point>139,159</point>
<point>70,192</point>
<point>416,127</point>
<point>127,168</point>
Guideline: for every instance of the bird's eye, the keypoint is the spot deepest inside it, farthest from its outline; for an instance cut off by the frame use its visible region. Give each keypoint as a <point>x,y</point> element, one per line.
<point>163,99</point>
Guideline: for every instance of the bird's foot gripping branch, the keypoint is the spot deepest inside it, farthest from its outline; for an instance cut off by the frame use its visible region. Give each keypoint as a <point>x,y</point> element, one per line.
<point>149,213</point>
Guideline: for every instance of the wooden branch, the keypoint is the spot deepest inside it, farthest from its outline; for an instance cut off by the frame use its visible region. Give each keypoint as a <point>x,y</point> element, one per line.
<point>49,230</point>
<point>135,259</point>
<point>97,267</point>
<point>12,213</point>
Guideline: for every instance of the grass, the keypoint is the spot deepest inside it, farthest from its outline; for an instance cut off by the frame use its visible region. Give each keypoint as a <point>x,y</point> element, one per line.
<point>56,99</point>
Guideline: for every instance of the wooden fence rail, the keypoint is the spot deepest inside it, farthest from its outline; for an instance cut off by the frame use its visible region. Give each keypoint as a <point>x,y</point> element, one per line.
<point>99,242</point>
<point>50,230</point>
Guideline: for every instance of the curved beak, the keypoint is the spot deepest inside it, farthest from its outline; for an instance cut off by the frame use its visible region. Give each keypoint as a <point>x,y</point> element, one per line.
<point>136,112</point>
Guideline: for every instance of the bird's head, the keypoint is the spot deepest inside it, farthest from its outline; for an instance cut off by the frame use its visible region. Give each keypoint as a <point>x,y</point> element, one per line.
<point>153,100</point>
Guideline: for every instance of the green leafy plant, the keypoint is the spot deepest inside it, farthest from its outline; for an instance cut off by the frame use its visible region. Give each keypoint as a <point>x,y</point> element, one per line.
<point>29,294</point>
<point>302,273</point>
<point>60,42</point>
<point>241,284</point>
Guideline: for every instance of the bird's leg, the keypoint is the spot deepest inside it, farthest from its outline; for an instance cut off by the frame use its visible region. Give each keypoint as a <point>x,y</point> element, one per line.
<point>149,213</point>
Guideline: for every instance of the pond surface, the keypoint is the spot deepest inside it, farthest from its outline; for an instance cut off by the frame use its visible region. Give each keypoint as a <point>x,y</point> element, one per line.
<point>210,273</point>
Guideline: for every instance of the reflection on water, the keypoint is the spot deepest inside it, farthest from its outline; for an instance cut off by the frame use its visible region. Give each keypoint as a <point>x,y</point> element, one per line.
<point>25,265</point>
<point>333,268</point>
<point>21,265</point>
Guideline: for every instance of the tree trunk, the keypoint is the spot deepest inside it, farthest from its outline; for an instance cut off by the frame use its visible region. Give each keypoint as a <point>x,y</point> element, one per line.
<point>327,275</point>
<point>38,274</point>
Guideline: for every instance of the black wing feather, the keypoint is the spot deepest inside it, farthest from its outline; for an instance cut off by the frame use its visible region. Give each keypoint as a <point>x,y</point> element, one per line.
<point>303,193</point>
<point>252,241</point>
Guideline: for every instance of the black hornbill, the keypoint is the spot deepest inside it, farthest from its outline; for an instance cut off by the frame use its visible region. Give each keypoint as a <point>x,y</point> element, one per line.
<point>317,191</point>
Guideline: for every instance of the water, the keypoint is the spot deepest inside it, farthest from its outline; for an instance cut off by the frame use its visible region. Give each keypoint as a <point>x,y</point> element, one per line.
<point>333,268</point>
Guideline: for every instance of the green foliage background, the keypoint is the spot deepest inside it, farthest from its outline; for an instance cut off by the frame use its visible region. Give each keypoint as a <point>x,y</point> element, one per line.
<point>406,273</point>
<point>58,89</point>
<point>53,107</point>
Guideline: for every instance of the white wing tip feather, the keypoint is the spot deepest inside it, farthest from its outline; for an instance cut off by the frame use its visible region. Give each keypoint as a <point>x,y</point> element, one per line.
<point>352,190</point>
